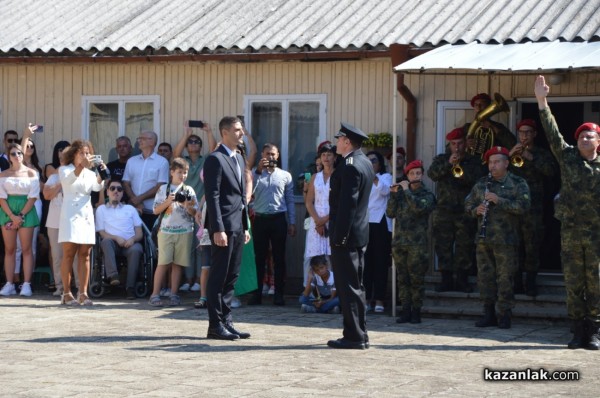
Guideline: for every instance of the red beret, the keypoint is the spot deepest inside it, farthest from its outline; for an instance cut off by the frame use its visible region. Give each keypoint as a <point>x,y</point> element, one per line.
<point>495,150</point>
<point>415,164</point>
<point>527,122</point>
<point>483,96</point>
<point>587,127</point>
<point>456,134</point>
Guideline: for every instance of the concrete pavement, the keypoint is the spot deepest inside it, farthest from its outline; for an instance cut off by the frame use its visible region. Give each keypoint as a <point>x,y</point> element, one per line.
<point>121,348</point>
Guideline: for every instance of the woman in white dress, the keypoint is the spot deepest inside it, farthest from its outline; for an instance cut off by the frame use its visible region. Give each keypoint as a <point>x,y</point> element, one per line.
<point>19,189</point>
<point>77,231</point>
<point>317,205</point>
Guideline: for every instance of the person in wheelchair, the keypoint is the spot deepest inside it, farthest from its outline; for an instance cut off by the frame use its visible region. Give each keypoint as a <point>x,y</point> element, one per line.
<point>120,228</point>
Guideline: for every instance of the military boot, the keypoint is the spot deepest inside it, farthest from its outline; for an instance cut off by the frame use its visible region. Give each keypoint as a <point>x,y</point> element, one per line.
<point>489,317</point>
<point>415,315</point>
<point>580,339</point>
<point>518,287</point>
<point>405,315</point>
<point>505,320</point>
<point>530,284</point>
<point>462,282</point>
<point>593,334</point>
<point>447,283</point>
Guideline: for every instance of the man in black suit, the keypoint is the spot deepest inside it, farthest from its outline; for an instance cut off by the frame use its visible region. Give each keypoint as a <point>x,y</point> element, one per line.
<point>227,223</point>
<point>351,184</point>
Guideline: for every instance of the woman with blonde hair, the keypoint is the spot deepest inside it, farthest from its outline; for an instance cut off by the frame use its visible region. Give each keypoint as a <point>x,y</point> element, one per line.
<point>77,231</point>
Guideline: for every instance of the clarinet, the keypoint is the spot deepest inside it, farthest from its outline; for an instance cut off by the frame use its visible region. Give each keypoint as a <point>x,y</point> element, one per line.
<point>486,203</point>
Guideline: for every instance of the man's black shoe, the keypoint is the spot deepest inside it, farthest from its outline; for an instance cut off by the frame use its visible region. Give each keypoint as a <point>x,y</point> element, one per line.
<point>220,333</point>
<point>278,299</point>
<point>347,344</point>
<point>231,329</point>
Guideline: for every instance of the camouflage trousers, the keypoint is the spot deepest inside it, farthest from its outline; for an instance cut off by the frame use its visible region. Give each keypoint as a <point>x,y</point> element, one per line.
<point>412,263</point>
<point>453,234</point>
<point>496,267</point>
<point>531,234</point>
<point>580,257</point>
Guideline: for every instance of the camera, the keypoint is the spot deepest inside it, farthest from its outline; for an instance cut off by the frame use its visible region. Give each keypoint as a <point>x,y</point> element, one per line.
<point>272,163</point>
<point>39,129</point>
<point>95,160</point>
<point>182,197</point>
<point>195,123</point>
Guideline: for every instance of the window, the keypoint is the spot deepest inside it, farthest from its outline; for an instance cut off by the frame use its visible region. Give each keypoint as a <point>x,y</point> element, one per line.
<point>295,123</point>
<point>108,117</point>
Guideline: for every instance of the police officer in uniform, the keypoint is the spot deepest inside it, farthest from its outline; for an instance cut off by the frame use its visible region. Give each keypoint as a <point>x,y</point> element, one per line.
<point>498,201</point>
<point>350,184</point>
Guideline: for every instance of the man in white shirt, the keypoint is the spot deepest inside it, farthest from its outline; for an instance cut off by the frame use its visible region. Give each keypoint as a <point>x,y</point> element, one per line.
<point>120,228</point>
<point>144,174</point>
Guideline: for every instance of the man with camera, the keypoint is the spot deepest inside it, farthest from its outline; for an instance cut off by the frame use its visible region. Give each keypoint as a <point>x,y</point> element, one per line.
<point>274,219</point>
<point>120,228</point>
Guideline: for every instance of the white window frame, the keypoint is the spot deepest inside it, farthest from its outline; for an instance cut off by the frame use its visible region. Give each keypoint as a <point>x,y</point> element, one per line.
<point>285,99</point>
<point>121,100</point>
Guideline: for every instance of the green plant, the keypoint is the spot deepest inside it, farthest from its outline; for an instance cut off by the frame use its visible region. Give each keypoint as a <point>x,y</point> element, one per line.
<point>378,140</point>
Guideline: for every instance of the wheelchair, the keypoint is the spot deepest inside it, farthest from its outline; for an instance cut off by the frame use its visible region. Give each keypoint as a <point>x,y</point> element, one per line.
<point>98,284</point>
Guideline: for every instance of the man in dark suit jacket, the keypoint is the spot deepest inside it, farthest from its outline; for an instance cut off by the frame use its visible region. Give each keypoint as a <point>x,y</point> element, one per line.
<point>227,223</point>
<point>351,184</point>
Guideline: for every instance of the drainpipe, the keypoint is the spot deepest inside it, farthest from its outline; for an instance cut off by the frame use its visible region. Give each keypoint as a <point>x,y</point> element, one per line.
<point>400,54</point>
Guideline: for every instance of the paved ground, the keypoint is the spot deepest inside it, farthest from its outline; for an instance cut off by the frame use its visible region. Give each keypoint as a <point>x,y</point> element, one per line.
<point>122,348</point>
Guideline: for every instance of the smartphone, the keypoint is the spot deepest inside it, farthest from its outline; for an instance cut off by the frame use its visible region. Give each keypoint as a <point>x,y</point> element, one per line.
<point>195,123</point>
<point>39,129</point>
<point>307,177</point>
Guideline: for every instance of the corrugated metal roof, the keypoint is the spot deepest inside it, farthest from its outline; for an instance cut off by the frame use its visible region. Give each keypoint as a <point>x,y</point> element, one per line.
<point>285,25</point>
<point>507,57</point>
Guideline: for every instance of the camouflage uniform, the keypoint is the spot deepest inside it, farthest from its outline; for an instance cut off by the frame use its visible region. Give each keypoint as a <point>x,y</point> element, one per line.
<point>579,213</point>
<point>453,230</point>
<point>531,228</point>
<point>496,253</point>
<point>411,210</point>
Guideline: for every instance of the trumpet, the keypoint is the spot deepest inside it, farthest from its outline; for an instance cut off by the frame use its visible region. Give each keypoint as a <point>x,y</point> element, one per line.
<point>518,160</point>
<point>457,170</point>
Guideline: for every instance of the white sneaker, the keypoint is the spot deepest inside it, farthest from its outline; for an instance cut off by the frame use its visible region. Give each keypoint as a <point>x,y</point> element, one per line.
<point>185,287</point>
<point>26,289</point>
<point>308,308</point>
<point>195,287</point>
<point>271,290</point>
<point>8,289</point>
<point>265,290</point>
<point>165,292</point>
<point>58,292</point>
<point>236,303</point>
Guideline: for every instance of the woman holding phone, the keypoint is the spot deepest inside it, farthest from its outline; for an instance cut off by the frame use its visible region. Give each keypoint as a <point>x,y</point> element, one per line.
<point>77,231</point>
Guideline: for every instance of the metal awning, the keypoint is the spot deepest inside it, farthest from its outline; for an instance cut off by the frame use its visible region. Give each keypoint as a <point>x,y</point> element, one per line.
<point>506,57</point>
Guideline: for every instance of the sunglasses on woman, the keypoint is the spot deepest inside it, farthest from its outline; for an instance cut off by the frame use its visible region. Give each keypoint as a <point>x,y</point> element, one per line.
<point>115,188</point>
<point>18,153</point>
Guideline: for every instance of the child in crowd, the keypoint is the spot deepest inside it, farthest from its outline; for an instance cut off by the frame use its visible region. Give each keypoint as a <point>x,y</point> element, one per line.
<point>410,204</point>
<point>178,203</point>
<point>320,294</point>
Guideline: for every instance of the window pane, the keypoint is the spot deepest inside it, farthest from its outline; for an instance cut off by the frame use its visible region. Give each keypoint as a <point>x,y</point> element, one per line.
<point>266,124</point>
<point>139,116</point>
<point>303,136</point>
<point>104,127</point>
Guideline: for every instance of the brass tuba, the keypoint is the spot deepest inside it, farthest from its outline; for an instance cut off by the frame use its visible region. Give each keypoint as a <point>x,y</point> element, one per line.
<point>484,137</point>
